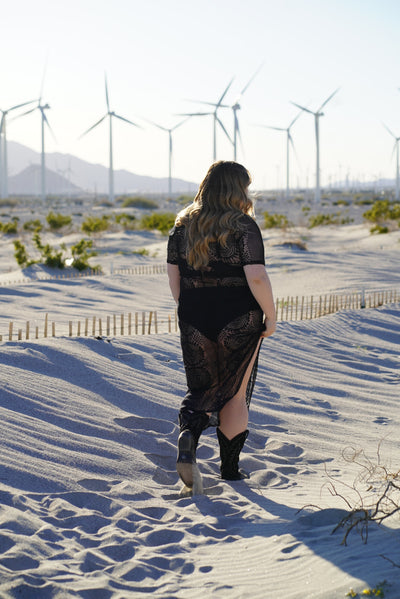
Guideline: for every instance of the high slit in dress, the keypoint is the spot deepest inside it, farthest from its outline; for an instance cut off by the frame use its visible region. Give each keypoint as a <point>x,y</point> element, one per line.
<point>220,321</point>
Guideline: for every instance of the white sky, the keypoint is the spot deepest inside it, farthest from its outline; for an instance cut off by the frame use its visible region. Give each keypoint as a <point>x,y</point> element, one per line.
<point>159,53</point>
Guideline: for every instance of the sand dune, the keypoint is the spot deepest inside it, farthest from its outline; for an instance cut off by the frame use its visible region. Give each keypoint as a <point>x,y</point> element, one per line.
<point>90,496</point>
<point>91,505</point>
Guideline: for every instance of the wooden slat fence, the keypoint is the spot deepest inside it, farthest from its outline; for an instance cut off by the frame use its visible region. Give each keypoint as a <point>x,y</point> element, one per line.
<point>146,323</point>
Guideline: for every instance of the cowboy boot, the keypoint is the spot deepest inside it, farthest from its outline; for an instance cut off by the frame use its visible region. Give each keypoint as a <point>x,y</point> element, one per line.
<point>192,425</point>
<point>229,452</point>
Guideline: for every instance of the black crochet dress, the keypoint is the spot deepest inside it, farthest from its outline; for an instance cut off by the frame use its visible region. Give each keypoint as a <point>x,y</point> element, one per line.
<point>219,319</point>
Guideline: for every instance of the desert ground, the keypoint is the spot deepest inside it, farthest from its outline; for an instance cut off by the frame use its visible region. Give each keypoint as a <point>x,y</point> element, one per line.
<point>91,504</point>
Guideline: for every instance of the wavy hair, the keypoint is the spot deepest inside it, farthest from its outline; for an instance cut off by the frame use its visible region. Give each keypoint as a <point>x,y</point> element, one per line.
<point>216,210</point>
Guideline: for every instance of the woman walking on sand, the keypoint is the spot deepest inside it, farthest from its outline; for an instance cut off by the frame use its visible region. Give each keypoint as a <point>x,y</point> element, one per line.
<point>217,276</point>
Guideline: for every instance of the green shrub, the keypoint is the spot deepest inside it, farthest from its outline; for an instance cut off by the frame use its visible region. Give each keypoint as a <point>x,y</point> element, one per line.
<point>272,221</point>
<point>383,210</point>
<point>305,209</point>
<point>50,256</point>
<point>9,228</point>
<point>379,229</point>
<point>142,252</point>
<point>162,222</point>
<point>341,202</point>
<point>138,202</point>
<point>21,255</point>
<point>126,220</point>
<point>81,254</point>
<point>317,220</point>
<point>57,221</point>
<point>33,225</point>
<point>93,224</point>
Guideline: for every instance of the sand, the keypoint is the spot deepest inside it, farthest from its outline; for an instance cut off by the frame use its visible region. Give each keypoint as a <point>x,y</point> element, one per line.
<point>90,499</point>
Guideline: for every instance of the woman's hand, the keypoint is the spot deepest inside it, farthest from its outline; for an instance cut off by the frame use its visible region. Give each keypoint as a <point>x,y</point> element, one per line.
<point>270,328</point>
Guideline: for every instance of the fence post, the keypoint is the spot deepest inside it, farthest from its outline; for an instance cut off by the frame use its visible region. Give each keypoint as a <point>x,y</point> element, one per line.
<point>27,330</point>
<point>143,323</point>
<point>46,322</point>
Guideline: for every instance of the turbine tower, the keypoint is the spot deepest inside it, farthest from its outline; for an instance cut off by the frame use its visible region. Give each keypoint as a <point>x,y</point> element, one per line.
<point>396,147</point>
<point>216,118</point>
<point>235,107</point>
<point>169,131</point>
<point>289,140</point>
<point>3,148</point>
<point>44,121</point>
<point>111,114</point>
<point>317,116</point>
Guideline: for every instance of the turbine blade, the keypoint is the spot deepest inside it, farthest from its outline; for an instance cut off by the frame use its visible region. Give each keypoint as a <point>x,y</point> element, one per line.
<point>327,100</point>
<point>295,119</point>
<point>193,113</point>
<point>179,124</point>
<point>121,118</point>
<point>43,78</point>
<point>156,125</point>
<point>107,98</point>
<point>93,126</point>
<point>387,129</point>
<point>48,125</point>
<point>394,149</point>
<point>224,130</point>
<point>1,124</point>
<point>302,108</point>
<point>276,128</point>
<point>225,92</point>
<point>251,80</point>
<point>21,105</point>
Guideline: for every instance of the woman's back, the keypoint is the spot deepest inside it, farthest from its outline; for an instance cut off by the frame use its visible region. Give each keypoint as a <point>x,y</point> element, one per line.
<point>225,261</point>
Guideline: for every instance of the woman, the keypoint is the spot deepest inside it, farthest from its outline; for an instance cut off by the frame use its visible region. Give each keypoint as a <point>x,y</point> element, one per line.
<point>217,276</point>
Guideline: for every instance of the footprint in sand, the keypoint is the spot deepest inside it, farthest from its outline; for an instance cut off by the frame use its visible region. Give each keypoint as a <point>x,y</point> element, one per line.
<point>382,420</point>
<point>95,484</point>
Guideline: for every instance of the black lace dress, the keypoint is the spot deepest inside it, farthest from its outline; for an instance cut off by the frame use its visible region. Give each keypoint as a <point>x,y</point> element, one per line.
<point>219,319</point>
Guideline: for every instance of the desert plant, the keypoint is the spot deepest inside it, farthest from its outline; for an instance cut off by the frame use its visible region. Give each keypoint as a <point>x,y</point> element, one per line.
<point>33,225</point>
<point>57,221</point>
<point>50,256</point>
<point>379,229</point>
<point>93,224</point>
<point>162,222</point>
<point>9,228</point>
<point>317,220</point>
<point>81,252</point>
<point>383,210</point>
<point>126,220</point>
<point>272,221</point>
<point>21,255</point>
<point>138,202</point>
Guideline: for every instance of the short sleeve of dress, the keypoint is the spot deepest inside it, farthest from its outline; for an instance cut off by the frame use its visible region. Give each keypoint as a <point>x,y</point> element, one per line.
<point>172,248</point>
<point>251,245</point>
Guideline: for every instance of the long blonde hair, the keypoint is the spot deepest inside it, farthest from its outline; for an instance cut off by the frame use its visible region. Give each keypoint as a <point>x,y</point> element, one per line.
<point>216,210</point>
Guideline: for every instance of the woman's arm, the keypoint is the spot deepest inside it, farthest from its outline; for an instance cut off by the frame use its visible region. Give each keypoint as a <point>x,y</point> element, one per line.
<point>260,286</point>
<point>174,278</point>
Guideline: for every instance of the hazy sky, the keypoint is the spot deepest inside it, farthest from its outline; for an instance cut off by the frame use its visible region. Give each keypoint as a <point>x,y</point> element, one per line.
<point>160,53</point>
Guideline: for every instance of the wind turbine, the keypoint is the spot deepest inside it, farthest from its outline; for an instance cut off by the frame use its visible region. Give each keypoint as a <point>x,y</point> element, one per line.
<point>216,118</point>
<point>3,148</point>
<point>396,147</point>
<point>235,107</point>
<point>44,121</point>
<point>111,114</point>
<point>169,131</point>
<point>289,140</point>
<point>317,116</point>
